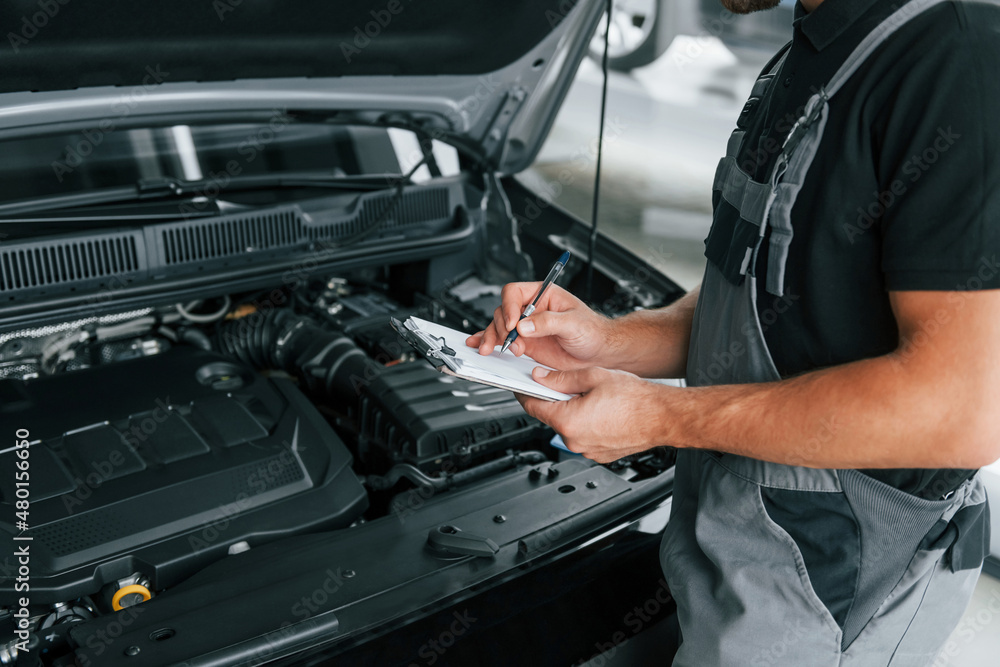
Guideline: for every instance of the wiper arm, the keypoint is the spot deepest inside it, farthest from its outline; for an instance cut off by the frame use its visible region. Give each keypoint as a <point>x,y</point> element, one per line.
<point>171,188</point>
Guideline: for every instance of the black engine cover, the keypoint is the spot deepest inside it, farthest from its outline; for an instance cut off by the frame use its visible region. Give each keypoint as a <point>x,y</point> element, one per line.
<point>413,414</point>
<point>158,465</point>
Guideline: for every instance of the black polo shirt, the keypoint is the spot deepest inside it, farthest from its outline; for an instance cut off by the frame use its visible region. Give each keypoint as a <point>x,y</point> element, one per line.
<point>904,191</point>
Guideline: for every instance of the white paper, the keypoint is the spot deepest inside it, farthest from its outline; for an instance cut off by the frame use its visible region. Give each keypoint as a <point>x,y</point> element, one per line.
<point>507,371</point>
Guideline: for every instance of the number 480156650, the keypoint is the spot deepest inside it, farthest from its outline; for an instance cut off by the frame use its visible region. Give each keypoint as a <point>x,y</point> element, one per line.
<point>21,477</point>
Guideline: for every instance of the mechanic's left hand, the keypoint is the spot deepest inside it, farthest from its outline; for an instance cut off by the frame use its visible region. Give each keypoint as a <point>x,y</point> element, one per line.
<point>616,414</point>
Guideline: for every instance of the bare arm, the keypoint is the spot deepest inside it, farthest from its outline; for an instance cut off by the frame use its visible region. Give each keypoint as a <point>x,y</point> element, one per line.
<point>654,343</point>
<point>931,403</point>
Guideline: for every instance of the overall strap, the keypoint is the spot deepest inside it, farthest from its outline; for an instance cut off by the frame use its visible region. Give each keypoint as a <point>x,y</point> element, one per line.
<point>800,146</point>
<point>767,73</point>
<point>875,38</point>
<point>774,64</point>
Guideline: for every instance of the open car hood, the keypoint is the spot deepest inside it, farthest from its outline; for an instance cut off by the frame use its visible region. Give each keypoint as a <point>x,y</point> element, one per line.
<point>487,77</point>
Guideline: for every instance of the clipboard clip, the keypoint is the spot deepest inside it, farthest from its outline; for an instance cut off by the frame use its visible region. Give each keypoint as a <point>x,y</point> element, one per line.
<point>431,347</point>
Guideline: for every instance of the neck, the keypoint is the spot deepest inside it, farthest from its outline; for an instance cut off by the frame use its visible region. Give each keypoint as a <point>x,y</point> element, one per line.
<point>811,5</point>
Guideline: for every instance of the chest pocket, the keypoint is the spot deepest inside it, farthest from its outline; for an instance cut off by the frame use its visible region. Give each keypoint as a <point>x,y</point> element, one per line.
<point>739,203</point>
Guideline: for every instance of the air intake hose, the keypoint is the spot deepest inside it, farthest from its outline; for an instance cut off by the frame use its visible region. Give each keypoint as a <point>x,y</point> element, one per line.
<point>324,361</point>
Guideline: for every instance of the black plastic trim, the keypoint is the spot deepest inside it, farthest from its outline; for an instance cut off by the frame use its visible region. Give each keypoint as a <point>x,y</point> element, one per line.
<point>392,575</point>
<point>178,282</point>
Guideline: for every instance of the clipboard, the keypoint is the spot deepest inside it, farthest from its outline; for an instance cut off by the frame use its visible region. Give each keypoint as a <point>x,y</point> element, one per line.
<point>447,352</point>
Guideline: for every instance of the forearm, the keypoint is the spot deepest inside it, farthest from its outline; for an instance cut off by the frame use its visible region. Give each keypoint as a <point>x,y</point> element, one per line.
<point>653,343</point>
<point>885,412</point>
<point>929,404</point>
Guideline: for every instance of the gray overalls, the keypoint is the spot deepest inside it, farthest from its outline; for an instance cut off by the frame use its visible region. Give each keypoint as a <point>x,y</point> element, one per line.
<point>740,550</point>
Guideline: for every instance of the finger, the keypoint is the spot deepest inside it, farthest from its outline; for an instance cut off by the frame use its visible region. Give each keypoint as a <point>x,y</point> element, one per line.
<point>499,326</point>
<point>513,298</point>
<point>518,294</point>
<point>563,325</point>
<point>475,339</point>
<point>543,411</point>
<point>568,382</point>
<point>491,337</point>
<point>511,315</point>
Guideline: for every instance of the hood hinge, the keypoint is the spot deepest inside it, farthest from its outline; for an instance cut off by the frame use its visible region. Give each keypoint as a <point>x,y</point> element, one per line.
<point>496,135</point>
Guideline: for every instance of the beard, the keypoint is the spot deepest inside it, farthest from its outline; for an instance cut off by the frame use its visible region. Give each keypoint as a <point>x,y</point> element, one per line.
<point>748,6</point>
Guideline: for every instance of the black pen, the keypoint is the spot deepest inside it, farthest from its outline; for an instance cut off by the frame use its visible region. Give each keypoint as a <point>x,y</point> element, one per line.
<point>549,279</point>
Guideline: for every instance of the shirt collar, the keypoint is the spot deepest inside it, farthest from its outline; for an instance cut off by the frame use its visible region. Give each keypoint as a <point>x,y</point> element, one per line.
<point>829,20</point>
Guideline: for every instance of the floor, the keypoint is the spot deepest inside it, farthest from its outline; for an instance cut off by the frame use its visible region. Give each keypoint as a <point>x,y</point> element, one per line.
<point>667,126</point>
<point>976,640</point>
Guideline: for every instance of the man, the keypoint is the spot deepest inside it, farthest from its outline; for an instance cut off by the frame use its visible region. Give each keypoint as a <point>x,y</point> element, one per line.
<point>842,354</point>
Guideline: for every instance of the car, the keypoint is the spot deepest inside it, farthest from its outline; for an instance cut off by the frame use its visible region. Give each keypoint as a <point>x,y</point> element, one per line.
<point>642,30</point>
<point>217,451</point>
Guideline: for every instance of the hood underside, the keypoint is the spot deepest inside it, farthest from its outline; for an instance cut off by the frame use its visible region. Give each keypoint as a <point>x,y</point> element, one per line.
<point>486,76</point>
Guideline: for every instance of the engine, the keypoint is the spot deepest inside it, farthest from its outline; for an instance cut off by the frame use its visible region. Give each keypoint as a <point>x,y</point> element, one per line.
<point>158,465</point>
<point>162,440</point>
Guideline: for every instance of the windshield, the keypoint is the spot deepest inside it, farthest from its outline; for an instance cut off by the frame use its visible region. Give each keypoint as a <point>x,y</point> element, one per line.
<point>103,157</point>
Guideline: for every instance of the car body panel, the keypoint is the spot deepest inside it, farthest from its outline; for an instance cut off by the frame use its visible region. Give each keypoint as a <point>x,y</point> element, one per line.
<point>500,116</point>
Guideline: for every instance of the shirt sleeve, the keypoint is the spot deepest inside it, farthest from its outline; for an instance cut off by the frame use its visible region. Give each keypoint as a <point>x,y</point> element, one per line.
<point>938,159</point>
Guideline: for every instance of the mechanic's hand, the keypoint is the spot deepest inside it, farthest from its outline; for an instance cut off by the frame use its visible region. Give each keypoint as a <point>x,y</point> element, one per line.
<point>562,332</point>
<point>616,413</point>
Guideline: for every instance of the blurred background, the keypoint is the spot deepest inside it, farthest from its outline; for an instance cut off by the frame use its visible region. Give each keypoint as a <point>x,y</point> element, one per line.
<point>680,71</point>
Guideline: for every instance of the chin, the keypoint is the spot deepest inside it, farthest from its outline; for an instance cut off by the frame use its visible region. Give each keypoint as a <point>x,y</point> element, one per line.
<point>749,6</point>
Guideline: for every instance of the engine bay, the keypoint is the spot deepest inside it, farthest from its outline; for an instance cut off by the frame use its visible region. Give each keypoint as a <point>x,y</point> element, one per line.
<point>223,454</point>
<point>166,438</point>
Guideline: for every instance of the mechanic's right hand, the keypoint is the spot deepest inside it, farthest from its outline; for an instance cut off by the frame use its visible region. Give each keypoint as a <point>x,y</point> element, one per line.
<point>562,332</point>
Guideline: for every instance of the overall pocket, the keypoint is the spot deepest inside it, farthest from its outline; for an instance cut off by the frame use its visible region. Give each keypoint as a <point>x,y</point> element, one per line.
<point>905,546</point>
